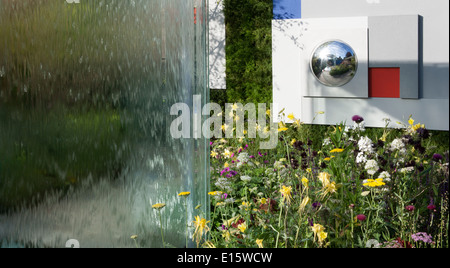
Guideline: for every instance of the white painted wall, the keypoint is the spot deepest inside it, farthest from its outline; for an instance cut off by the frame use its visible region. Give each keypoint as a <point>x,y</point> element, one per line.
<point>432,106</point>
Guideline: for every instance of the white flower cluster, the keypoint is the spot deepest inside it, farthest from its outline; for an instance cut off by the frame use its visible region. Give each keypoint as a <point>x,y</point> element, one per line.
<point>278,165</point>
<point>359,126</point>
<point>246,178</point>
<point>365,147</point>
<point>371,167</point>
<point>243,159</point>
<point>326,141</point>
<point>398,145</point>
<point>406,170</point>
<point>224,184</point>
<point>385,176</point>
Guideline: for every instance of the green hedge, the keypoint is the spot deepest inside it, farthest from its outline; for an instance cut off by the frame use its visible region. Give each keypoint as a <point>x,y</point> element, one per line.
<point>249,52</point>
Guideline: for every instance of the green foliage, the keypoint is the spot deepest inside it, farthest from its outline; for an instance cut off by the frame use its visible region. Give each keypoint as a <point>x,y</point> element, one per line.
<point>355,186</point>
<point>54,151</point>
<point>248,50</point>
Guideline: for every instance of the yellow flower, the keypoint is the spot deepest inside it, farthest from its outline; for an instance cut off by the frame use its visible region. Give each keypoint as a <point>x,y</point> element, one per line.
<point>319,233</point>
<point>213,154</point>
<point>305,182</point>
<point>263,201</point>
<point>324,178</point>
<point>411,121</point>
<point>226,235</point>
<point>201,226</point>
<point>184,194</point>
<point>305,202</point>
<point>291,116</point>
<point>134,237</point>
<point>337,150</point>
<point>308,170</point>
<point>268,112</point>
<point>209,244</point>
<point>226,165</point>
<point>259,242</point>
<point>293,141</point>
<point>286,191</point>
<point>234,107</point>
<point>215,193</point>
<point>322,236</point>
<point>317,228</point>
<point>227,153</point>
<point>329,188</point>
<point>158,206</point>
<point>242,227</point>
<point>374,183</point>
<point>417,126</point>
<point>282,127</point>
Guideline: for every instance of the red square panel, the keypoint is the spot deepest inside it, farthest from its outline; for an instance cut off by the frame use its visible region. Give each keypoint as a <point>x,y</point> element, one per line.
<point>384,82</point>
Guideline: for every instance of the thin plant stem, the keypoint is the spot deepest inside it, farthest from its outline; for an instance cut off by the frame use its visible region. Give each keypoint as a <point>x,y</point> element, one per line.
<point>187,228</point>
<point>162,233</point>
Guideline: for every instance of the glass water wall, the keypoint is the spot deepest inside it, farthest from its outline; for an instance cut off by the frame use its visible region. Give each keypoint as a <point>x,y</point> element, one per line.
<point>85,95</point>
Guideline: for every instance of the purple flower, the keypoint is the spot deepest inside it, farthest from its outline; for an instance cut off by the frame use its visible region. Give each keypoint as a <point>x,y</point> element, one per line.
<point>410,208</point>
<point>316,205</point>
<point>437,157</point>
<point>431,207</point>
<point>358,119</point>
<point>225,170</point>
<point>421,236</point>
<point>311,222</point>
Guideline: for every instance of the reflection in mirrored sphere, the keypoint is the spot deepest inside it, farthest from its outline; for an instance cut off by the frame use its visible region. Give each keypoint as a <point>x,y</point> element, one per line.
<point>334,63</point>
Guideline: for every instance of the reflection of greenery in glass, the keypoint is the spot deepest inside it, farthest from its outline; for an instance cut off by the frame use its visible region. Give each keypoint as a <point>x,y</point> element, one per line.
<point>60,101</point>
<point>76,84</point>
<point>85,97</point>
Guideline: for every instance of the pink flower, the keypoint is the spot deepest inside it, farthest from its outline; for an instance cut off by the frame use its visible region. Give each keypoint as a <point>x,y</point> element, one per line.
<point>410,208</point>
<point>361,217</point>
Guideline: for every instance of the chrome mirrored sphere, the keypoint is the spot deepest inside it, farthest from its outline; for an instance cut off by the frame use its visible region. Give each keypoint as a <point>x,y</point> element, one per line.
<point>334,63</point>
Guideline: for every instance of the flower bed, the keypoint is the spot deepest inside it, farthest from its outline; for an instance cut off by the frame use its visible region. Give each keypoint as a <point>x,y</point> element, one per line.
<point>352,192</point>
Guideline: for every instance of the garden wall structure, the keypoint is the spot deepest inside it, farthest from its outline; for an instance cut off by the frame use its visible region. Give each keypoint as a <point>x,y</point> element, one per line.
<point>216,23</point>
<point>401,50</point>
